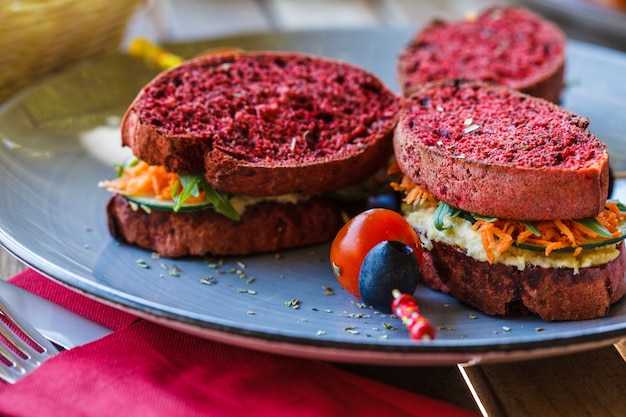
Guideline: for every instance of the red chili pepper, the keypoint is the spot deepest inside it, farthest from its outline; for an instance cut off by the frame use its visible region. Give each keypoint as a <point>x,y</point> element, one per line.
<point>405,308</point>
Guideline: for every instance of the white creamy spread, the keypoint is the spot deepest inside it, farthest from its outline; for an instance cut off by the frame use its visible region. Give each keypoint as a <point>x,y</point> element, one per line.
<point>460,234</point>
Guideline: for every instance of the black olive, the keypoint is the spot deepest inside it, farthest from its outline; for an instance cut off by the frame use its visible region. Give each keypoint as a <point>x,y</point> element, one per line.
<point>387,266</point>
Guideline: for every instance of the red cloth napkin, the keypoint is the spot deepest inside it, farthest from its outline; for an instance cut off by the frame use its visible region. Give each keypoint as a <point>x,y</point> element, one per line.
<point>144,369</point>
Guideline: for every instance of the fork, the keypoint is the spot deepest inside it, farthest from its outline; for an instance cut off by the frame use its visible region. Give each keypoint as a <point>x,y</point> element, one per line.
<point>18,357</point>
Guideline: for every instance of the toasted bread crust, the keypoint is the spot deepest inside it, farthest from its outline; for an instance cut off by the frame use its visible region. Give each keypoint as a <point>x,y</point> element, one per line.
<point>553,294</point>
<point>264,227</point>
<point>506,45</point>
<point>544,165</point>
<point>549,87</point>
<point>265,123</point>
<point>183,153</point>
<point>236,176</point>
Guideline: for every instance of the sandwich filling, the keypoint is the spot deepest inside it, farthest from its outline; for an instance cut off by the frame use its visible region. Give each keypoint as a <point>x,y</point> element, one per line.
<point>150,187</point>
<point>574,244</point>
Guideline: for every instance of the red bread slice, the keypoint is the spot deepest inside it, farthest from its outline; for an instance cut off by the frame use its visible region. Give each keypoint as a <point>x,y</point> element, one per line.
<point>507,46</point>
<point>264,227</point>
<point>552,293</point>
<point>265,123</point>
<point>494,151</point>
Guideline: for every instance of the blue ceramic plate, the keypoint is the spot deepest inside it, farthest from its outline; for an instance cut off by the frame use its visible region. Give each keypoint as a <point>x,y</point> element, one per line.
<point>58,139</point>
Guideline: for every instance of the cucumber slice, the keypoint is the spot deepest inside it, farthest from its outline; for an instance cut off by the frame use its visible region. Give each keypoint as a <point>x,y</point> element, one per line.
<point>155,204</point>
<point>593,225</point>
<point>591,244</point>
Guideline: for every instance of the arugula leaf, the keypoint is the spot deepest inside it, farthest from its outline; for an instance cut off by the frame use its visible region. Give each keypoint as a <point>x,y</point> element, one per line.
<point>191,184</point>
<point>219,200</point>
<point>443,209</point>
<point>531,226</point>
<point>129,163</point>
<point>191,187</point>
<point>455,212</point>
<point>119,170</point>
<point>592,224</point>
<point>484,218</point>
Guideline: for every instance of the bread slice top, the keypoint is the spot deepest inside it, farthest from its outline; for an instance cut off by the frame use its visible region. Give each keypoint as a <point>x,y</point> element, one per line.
<point>505,45</point>
<point>265,123</point>
<point>494,151</point>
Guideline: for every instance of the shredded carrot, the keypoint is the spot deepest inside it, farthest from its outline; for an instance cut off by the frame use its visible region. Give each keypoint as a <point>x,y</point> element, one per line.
<point>414,194</point>
<point>584,231</point>
<point>553,246</point>
<point>487,238</point>
<point>565,231</point>
<point>144,180</point>
<point>499,235</point>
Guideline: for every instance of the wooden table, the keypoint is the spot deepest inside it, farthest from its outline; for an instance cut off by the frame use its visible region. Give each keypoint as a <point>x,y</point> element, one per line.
<point>591,383</point>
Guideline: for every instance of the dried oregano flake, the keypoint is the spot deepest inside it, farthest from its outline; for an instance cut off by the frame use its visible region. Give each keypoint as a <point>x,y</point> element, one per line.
<point>293,303</point>
<point>351,330</point>
<point>388,326</point>
<point>208,280</point>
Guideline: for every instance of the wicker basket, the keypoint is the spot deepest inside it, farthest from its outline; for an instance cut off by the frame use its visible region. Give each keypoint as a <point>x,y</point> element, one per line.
<point>39,36</point>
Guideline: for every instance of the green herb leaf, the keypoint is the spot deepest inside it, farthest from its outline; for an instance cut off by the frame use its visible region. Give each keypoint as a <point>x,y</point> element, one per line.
<point>191,184</point>
<point>532,228</point>
<point>219,200</point>
<point>119,170</point>
<point>190,188</point>
<point>592,224</point>
<point>441,211</point>
<point>455,212</point>
<point>129,163</point>
<point>484,218</point>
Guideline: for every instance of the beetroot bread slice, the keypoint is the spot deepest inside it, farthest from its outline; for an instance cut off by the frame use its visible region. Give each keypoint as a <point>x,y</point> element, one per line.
<point>265,123</point>
<point>264,227</point>
<point>498,289</point>
<point>496,152</point>
<point>508,46</point>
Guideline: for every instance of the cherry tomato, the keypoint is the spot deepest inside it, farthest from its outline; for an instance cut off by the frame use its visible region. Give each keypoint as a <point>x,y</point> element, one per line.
<point>357,237</point>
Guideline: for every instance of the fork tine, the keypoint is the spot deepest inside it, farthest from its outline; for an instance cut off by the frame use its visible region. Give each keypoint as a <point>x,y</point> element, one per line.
<point>30,358</point>
<point>17,366</point>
